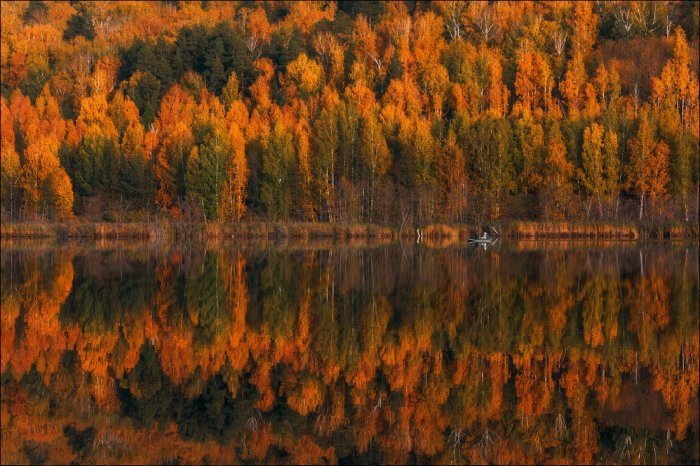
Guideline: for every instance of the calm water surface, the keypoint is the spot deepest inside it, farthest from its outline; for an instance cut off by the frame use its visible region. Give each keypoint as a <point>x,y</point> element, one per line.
<point>321,353</point>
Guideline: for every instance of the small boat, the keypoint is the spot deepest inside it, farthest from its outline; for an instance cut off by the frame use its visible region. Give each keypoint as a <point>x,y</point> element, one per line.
<point>483,240</point>
<point>486,239</point>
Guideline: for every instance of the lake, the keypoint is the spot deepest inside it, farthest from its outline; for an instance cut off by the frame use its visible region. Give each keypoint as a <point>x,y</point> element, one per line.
<point>268,352</point>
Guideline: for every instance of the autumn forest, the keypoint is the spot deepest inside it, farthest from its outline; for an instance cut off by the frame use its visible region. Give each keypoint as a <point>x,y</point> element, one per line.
<point>394,113</point>
<point>242,232</point>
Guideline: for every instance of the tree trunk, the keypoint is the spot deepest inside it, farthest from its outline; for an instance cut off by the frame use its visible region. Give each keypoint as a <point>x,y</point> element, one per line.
<point>697,203</point>
<point>371,196</point>
<point>641,206</point>
<point>331,196</point>
<point>588,209</point>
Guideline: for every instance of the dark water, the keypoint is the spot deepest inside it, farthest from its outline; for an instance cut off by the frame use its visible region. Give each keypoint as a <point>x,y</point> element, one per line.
<point>527,352</point>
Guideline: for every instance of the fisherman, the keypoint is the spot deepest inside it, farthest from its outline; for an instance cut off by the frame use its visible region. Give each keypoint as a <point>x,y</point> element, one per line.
<point>485,236</point>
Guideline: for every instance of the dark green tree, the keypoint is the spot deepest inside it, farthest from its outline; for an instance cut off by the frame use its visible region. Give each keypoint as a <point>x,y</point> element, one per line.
<point>491,163</point>
<point>80,24</point>
<point>93,167</point>
<point>214,74</point>
<point>205,174</point>
<point>136,181</point>
<point>146,91</point>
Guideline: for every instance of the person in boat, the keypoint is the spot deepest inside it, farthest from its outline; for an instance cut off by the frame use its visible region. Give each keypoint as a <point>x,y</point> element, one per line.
<point>485,236</point>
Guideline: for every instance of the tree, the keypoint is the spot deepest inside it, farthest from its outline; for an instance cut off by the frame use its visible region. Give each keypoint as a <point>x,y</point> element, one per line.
<point>94,165</point>
<point>428,42</point>
<point>375,157</point>
<point>607,84</point>
<point>93,162</point>
<point>684,159</point>
<point>368,50</point>
<point>647,170</point>
<point>349,123</point>
<point>135,183</point>
<point>230,92</point>
<point>10,169</point>
<point>303,172</point>
<point>80,24</point>
<point>436,82</point>
<point>204,178</point>
<point>46,188</point>
<point>532,151</point>
<point>205,175</point>
<point>533,82</point>
<point>418,153</point>
<point>452,179</point>
<point>658,172</point>
<point>256,29</point>
<point>592,168</point>
<point>584,24</point>
<point>496,90</point>
<point>104,79</point>
<point>173,130</point>
<point>325,143</point>
<point>236,177</point>
<point>305,74</point>
<point>678,86</point>
<point>307,15</point>
<point>144,89</point>
<point>452,11</point>
<point>611,167</point>
<point>332,56</point>
<point>59,195</point>
<point>491,163</point>
<point>484,20</point>
<point>557,175</point>
<point>573,85</point>
<point>215,73</point>
<point>36,12</point>
<point>285,45</point>
<point>276,188</point>
<point>30,149</point>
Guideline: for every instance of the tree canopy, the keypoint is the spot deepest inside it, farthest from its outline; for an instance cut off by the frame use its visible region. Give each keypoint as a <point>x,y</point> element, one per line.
<point>339,110</point>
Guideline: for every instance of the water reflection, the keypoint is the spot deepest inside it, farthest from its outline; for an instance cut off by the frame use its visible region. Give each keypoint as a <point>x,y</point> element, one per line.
<point>314,354</point>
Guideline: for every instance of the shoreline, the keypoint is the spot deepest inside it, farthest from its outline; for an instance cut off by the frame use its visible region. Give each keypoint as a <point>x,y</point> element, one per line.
<point>297,230</point>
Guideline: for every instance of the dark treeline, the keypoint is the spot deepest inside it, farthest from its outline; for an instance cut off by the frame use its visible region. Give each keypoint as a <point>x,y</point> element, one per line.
<point>400,113</point>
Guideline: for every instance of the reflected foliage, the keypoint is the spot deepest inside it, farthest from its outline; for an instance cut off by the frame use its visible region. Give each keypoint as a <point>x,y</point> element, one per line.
<point>389,354</point>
